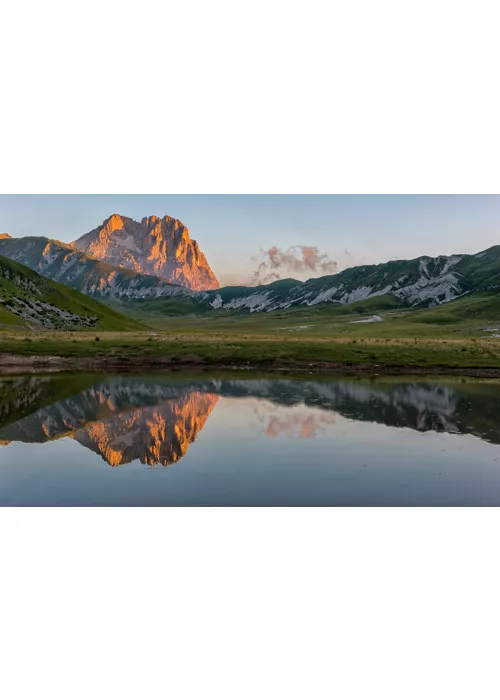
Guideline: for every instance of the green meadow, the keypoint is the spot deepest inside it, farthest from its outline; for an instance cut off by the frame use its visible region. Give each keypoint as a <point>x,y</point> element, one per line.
<point>457,334</point>
<point>462,328</point>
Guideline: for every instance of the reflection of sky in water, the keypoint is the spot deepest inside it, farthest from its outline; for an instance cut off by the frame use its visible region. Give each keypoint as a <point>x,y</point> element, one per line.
<point>252,450</point>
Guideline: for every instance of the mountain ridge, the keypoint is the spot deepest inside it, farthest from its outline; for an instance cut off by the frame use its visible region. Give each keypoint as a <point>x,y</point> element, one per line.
<point>421,281</point>
<point>61,263</point>
<point>155,246</point>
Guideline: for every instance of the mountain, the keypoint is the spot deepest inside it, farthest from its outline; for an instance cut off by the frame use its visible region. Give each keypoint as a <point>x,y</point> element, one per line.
<point>30,300</point>
<point>163,246</point>
<point>422,281</point>
<point>62,263</point>
<point>159,247</point>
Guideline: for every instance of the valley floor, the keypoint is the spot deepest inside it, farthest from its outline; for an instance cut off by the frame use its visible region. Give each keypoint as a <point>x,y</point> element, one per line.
<point>361,351</point>
<point>459,337</point>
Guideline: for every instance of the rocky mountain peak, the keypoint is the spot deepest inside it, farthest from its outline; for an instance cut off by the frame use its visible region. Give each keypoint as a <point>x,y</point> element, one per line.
<point>114,223</point>
<point>154,246</point>
<point>4,235</point>
<point>148,219</point>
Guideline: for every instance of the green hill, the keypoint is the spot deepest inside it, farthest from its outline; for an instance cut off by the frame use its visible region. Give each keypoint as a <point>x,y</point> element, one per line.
<point>477,306</point>
<point>30,300</point>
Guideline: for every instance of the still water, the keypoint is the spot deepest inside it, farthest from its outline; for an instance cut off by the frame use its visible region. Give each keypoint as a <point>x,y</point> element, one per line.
<point>181,440</point>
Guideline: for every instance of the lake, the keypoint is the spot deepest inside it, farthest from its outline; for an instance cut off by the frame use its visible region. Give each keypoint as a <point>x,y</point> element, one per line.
<point>248,440</point>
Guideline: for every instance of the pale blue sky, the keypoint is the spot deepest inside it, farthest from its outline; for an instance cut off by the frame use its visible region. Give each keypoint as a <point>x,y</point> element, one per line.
<point>352,229</point>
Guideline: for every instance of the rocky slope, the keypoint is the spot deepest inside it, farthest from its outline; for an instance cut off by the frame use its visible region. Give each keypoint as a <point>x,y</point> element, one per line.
<point>425,280</point>
<point>163,246</point>
<point>62,263</point>
<point>31,300</point>
<point>154,246</point>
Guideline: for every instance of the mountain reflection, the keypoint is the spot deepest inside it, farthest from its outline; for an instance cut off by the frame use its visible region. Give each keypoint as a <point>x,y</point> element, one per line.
<point>120,420</point>
<point>159,435</point>
<point>155,419</point>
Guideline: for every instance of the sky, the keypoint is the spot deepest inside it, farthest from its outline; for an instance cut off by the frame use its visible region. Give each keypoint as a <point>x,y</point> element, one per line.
<point>233,230</point>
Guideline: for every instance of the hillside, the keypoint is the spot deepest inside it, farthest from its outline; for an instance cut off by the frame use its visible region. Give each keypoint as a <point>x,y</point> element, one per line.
<point>62,263</point>
<point>466,283</point>
<point>423,281</point>
<point>30,300</point>
<point>153,246</point>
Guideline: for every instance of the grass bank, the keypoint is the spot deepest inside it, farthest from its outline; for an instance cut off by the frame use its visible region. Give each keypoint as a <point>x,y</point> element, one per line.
<point>142,349</point>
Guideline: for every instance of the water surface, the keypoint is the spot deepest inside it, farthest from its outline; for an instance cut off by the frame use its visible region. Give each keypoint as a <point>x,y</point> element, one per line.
<point>179,440</point>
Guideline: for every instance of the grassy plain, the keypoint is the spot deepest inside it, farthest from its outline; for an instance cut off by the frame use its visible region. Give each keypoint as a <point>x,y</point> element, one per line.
<point>459,334</point>
<point>220,349</point>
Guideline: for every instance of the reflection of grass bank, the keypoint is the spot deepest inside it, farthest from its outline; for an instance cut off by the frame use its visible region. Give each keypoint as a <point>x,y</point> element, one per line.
<point>19,395</point>
<point>221,348</point>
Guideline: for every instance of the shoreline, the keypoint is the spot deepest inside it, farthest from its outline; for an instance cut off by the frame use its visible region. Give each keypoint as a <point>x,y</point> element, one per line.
<point>12,364</point>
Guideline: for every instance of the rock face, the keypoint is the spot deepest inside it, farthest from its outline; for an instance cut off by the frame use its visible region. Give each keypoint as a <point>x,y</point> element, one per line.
<point>160,247</point>
<point>62,263</point>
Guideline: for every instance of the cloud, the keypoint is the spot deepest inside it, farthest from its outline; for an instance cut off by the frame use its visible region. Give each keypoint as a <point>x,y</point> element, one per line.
<point>307,426</point>
<point>295,421</point>
<point>299,259</point>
